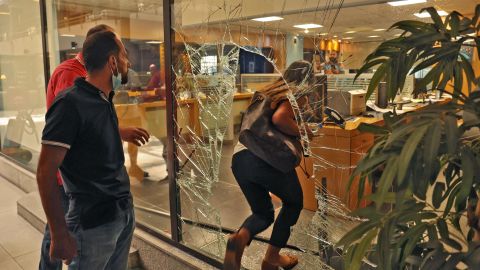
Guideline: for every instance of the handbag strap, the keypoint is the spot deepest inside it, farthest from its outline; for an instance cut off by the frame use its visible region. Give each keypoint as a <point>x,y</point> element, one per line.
<point>305,171</point>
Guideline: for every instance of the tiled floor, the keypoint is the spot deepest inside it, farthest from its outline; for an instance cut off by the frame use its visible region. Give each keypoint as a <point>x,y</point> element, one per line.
<point>19,241</point>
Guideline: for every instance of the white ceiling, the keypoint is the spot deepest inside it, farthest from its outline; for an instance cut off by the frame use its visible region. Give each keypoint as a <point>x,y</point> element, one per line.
<point>361,19</point>
<point>362,16</point>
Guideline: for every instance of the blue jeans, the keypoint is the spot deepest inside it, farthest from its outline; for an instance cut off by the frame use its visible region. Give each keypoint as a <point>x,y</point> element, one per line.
<point>45,263</point>
<point>105,247</point>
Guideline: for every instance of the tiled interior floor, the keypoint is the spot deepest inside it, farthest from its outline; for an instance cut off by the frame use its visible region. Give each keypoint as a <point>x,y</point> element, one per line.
<point>19,241</point>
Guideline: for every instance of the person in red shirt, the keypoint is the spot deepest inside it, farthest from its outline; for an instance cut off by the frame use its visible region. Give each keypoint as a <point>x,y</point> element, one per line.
<point>155,80</point>
<point>63,78</point>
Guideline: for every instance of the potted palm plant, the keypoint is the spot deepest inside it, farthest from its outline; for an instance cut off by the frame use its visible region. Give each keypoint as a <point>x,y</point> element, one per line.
<point>429,164</point>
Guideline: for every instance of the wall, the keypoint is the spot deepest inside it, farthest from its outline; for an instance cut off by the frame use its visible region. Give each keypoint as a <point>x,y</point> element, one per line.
<point>294,48</point>
<point>359,51</point>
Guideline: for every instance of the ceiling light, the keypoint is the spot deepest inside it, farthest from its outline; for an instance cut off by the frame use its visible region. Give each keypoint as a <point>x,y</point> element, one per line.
<point>350,32</point>
<point>335,36</point>
<point>379,29</point>
<point>4,13</point>
<point>373,36</point>
<point>154,42</point>
<point>3,77</point>
<point>348,38</point>
<point>308,25</point>
<point>323,34</point>
<point>67,35</point>
<point>425,14</point>
<point>306,31</point>
<point>268,19</point>
<point>406,2</point>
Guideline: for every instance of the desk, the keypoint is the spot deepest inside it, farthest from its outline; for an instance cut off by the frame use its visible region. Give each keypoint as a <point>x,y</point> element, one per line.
<point>336,152</point>
<point>152,116</point>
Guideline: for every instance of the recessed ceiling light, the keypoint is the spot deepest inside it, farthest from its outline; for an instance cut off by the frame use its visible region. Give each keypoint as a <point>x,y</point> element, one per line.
<point>268,19</point>
<point>348,38</point>
<point>4,13</point>
<point>67,35</point>
<point>308,25</point>
<point>373,36</point>
<point>323,34</point>
<point>335,36</point>
<point>406,2</point>
<point>154,42</point>
<point>379,29</point>
<point>427,15</point>
<point>350,32</point>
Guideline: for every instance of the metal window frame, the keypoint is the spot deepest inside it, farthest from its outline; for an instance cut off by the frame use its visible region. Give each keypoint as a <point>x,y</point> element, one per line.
<point>46,54</point>
<point>172,160</point>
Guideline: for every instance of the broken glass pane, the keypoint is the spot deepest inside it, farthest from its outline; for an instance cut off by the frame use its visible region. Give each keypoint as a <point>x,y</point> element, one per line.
<point>223,52</point>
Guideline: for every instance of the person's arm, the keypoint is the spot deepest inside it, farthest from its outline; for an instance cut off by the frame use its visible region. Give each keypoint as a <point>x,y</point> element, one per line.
<point>63,245</point>
<point>284,119</point>
<point>62,128</point>
<point>135,135</point>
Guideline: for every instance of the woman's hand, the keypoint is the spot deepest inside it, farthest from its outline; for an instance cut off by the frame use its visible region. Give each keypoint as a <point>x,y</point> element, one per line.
<point>309,132</point>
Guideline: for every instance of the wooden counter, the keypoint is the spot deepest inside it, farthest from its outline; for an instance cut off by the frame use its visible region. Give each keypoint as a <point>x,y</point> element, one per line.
<point>335,153</point>
<point>152,115</point>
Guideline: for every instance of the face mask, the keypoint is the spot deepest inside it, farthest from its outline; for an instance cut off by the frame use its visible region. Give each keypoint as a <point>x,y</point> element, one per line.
<point>116,80</point>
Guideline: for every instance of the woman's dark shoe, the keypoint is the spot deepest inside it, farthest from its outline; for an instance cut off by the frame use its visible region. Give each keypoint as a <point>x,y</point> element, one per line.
<point>233,254</point>
<point>293,261</point>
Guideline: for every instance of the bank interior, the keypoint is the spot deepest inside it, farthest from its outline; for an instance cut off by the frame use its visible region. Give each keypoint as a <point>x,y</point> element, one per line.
<point>222,52</point>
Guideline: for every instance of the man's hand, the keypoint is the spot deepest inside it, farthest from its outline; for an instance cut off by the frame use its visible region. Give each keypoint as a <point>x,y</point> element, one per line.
<point>135,135</point>
<point>63,247</point>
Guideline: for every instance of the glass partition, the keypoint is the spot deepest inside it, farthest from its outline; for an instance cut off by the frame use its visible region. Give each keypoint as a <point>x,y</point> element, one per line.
<point>22,82</point>
<point>139,103</point>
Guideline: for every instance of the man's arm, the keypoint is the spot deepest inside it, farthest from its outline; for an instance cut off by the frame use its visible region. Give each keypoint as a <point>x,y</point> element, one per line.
<point>63,245</point>
<point>135,135</point>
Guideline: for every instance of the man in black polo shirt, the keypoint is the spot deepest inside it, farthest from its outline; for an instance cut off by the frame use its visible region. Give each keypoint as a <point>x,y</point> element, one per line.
<point>81,138</point>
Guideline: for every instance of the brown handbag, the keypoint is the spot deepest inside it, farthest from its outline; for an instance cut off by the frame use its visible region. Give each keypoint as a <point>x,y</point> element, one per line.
<point>263,139</point>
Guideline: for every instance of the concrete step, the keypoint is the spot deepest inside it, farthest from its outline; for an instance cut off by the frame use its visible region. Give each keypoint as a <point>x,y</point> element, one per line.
<point>30,208</point>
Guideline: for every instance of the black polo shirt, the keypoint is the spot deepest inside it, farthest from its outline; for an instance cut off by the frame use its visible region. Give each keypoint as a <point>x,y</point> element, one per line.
<point>83,120</point>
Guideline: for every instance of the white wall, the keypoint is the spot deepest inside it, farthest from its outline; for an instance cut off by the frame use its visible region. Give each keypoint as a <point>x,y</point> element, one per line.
<point>359,51</point>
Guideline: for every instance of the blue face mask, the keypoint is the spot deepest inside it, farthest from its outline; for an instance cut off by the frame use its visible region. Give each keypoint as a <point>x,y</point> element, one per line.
<point>116,80</point>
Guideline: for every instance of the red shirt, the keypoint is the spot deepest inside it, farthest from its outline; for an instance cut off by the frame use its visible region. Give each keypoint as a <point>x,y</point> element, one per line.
<point>154,81</point>
<point>62,78</point>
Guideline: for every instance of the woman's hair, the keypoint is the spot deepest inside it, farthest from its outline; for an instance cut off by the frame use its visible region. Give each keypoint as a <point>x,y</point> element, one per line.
<point>297,74</point>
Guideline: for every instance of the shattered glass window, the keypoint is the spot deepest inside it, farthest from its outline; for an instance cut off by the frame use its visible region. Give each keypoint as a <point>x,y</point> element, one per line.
<point>253,42</point>
<point>249,55</point>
